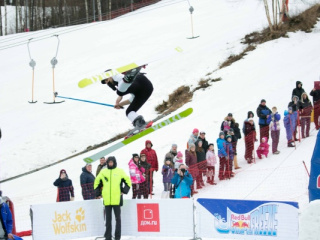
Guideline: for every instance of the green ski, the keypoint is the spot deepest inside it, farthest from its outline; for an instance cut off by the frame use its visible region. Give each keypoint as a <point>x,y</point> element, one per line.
<point>145,132</point>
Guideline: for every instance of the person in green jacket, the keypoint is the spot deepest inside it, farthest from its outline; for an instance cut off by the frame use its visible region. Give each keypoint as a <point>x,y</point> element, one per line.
<point>110,179</point>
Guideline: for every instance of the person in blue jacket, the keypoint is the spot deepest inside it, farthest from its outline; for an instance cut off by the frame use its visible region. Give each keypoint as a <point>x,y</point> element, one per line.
<point>223,155</point>
<point>290,120</point>
<point>182,181</point>
<point>6,223</point>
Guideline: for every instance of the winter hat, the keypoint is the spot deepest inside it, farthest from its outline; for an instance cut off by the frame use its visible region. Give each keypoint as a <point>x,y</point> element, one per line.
<point>179,154</point>
<point>148,141</point>
<point>221,133</point>
<point>142,154</point>
<point>285,113</point>
<point>231,130</point>
<point>135,155</point>
<point>88,164</point>
<point>113,159</point>
<point>174,145</point>
<point>228,136</point>
<point>202,132</point>
<point>196,130</point>
<point>63,171</point>
<point>263,100</point>
<point>229,114</point>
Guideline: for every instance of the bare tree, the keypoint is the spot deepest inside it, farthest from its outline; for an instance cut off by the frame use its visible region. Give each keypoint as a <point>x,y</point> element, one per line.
<point>99,10</point>
<point>5,19</point>
<point>277,18</point>
<point>87,10</point>
<point>1,33</point>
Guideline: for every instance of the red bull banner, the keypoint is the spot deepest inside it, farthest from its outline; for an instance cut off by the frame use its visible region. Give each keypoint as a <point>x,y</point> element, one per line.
<point>314,181</point>
<point>239,219</point>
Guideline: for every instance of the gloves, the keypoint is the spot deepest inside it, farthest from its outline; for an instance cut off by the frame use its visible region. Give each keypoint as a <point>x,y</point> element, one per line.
<point>72,199</point>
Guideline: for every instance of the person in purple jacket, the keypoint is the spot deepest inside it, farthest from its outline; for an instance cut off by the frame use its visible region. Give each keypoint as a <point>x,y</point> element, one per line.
<point>290,120</point>
<point>167,174</point>
<point>274,125</point>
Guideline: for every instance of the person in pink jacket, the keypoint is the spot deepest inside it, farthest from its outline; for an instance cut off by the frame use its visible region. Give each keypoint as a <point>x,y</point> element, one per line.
<point>211,162</point>
<point>137,179</point>
<point>263,148</point>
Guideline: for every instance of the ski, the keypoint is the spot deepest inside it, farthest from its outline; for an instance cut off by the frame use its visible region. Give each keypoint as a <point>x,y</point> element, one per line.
<point>97,78</point>
<point>145,132</point>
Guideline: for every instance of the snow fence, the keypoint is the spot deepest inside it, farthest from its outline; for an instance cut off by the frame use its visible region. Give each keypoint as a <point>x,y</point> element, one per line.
<point>211,218</point>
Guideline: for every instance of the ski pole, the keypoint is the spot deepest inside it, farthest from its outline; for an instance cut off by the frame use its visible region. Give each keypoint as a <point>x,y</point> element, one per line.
<point>83,100</point>
<point>306,168</point>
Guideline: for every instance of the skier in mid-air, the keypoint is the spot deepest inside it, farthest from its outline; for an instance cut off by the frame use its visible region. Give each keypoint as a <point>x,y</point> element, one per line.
<point>140,88</point>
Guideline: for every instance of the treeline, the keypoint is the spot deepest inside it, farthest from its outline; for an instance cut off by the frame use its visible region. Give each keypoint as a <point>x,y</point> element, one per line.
<point>32,15</point>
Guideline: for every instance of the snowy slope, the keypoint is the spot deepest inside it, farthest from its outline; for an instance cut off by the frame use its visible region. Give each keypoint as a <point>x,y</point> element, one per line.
<point>37,134</point>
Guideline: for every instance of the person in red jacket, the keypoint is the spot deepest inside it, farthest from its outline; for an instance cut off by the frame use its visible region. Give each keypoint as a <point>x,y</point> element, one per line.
<point>152,158</point>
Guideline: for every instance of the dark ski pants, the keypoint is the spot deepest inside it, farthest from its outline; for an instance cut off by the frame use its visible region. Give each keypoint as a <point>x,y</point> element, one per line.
<point>142,89</point>
<point>305,125</point>
<point>117,213</point>
<point>275,135</point>
<point>264,132</point>
<point>316,114</point>
<point>223,167</point>
<point>139,189</point>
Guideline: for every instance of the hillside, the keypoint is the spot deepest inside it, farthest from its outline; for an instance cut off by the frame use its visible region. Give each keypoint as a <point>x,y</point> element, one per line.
<point>38,134</point>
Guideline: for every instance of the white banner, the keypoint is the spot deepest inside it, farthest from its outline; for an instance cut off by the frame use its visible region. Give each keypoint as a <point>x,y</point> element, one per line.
<point>157,217</point>
<point>237,219</point>
<point>68,220</point>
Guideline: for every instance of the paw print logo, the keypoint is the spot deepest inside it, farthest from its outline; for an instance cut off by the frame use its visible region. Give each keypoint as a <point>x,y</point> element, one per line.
<point>80,214</point>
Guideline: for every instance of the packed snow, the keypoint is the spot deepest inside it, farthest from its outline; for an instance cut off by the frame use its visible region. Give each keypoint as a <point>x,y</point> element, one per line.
<point>34,135</point>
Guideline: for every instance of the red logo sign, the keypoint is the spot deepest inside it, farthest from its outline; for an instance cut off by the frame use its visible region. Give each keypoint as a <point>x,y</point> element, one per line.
<point>318,182</point>
<point>148,217</point>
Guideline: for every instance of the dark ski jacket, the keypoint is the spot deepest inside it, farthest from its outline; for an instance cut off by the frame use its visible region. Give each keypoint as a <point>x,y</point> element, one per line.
<point>295,106</point>
<point>146,167</point>
<point>205,144</point>
<point>305,107</point>
<point>316,95</point>
<point>297,91</point>
<point>237,132</point>
<point>65,189</point>
<point>201,155</point>
<point>99,168</point>
<point>86,181</point>
<point>263,112</point>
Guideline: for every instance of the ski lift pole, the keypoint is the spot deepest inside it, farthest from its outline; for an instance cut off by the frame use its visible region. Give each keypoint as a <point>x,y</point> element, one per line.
<point>32,64</point>
<point>191,9</point>
<point>54,62</point>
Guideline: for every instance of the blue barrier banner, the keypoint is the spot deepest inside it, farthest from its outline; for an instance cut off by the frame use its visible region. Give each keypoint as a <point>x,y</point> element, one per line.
<point>239,219</point>
<point>314,181</point>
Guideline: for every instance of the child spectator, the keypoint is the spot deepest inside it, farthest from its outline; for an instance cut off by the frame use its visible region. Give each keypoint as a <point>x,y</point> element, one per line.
<point>222,154</point>
<point>305,113</point>
<point>191,162</point>
<point>289,120</point>
<point>274,121</point>
<point>182,180</point>
<point>146,166</point>
<point>230,155</point>
<point>201,156</point>
<point>211,162</point>
<point>250,137</point>
<point>136,176</point>
<point>178,160</point>
<point>263,148</point>
<point>167,174</point>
